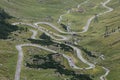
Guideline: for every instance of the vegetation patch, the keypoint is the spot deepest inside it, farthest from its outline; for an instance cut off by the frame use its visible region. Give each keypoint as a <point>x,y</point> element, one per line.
<point>52,61</point>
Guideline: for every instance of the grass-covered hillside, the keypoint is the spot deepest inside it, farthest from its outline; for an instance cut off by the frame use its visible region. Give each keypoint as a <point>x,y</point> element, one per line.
<point>102,38</point>
<point>38,8</point>
<point>96,40</point>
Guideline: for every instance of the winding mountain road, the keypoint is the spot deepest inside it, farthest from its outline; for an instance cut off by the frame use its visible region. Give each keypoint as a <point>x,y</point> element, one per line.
<point>20,55</point>
<point>78,6</point>
<point>77,50</point>
<point>103,77</point>
<point>86,27</point>
<point>79,55</point>
<point>34,34</point>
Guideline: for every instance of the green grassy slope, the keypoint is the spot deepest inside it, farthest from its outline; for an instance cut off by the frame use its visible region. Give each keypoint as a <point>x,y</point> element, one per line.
<point>9,54</point>
<point>37,9</point>
<point>79,19</point>
<point>109,46</point>
<point>93,40</point>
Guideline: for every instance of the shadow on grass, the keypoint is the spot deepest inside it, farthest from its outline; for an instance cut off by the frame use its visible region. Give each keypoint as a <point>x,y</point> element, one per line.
<point>47,62</point>
<point>5,27</point>
<point>64,26</point>
<point>41,42</point>
<point>47,42</point>
<point>4,15</point>
<point>65,47</point>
